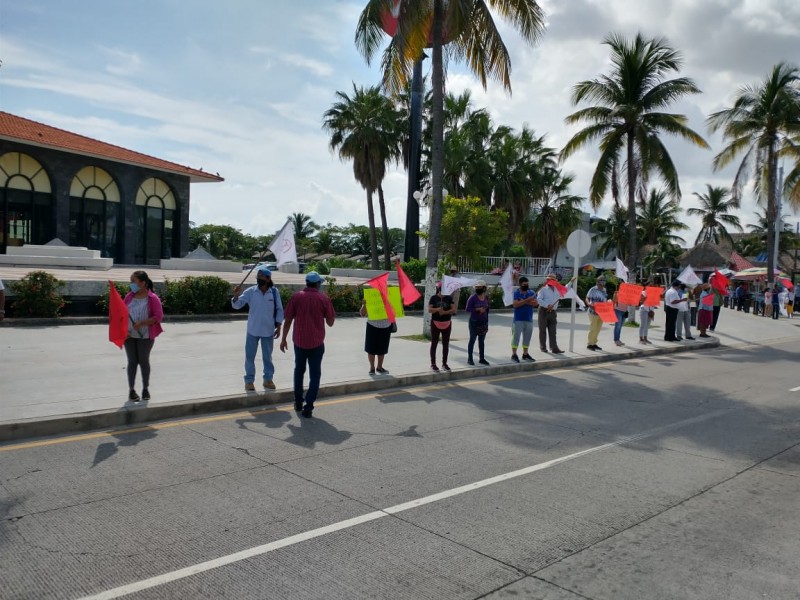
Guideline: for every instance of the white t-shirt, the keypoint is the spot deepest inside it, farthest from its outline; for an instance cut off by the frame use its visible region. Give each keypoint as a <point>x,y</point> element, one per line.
<point>671,295</point>
<point>683,306</point>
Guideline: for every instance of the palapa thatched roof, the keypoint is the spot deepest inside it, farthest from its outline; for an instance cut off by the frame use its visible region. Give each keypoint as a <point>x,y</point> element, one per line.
<point>706,256</point>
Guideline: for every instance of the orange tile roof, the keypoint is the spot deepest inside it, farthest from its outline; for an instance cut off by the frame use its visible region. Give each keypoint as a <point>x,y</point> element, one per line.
<point>19,129</point>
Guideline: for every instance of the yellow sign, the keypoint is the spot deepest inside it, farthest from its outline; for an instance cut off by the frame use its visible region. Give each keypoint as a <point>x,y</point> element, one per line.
<point>375,308</point>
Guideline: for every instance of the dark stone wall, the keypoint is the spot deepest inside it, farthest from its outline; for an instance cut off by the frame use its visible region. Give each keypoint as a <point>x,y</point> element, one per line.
<point>62,166</point>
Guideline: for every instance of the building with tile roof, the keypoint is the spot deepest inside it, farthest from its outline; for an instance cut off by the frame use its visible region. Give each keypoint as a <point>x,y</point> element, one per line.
<point>132,207</point>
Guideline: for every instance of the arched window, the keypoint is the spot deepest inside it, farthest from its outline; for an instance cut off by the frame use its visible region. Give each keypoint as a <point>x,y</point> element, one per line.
<point>94,203</point>
<point>155,214</point>
<point>26,202</point>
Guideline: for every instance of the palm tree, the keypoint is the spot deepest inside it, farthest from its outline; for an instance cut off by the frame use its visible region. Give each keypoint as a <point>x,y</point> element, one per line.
<point>715,213</point>
<point>665,255</point>
<point>555,214</point>
<point>761,124</point>
<point>304,227</point>
<point>629,119</point>
<point>613,232</point>
<point>659,217</point>
<point>759,229</point>
<point>363,129</point>
<point>471,34</point>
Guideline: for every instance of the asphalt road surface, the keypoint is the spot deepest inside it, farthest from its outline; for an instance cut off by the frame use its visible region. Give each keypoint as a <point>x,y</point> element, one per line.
<point>668,478</point>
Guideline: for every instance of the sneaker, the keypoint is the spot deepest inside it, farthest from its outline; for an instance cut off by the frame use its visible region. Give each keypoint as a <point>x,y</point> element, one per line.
<point>298,405</point>
<point>596,347</point>
<point>591,347</point>
<point>470,362</point>
<point>515,358</point>
<point>372,371</point>
<point>269,384</point>
<point>543,350</point>
<point>145,394</point>
<point>434,368</point>
<point>678,339</point>
<point>307,412</point>
<point>704,335</point>
<point>483,361</point>
<point>382,371</point>
<point>528,357</point>
<point>133,396</point>
<point>249,387</point>
<point>618,343</point>
<point>689,337</point>
<point>445,367</point>
<point>557,351</point>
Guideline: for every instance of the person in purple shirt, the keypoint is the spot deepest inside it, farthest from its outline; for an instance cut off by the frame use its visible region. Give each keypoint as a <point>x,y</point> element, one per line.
<point>478,309</point>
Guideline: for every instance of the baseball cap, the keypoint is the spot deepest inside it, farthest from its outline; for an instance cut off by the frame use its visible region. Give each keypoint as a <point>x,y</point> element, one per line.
<point>480,283</point>
<point>265,272</point>
<point>313,277</point>
<point>600,279</point>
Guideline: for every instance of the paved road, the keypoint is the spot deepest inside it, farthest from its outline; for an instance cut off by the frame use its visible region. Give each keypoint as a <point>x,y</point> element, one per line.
<point>665,478</point>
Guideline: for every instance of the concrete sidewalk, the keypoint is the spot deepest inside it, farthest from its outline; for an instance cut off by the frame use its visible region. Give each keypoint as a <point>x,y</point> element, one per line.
<point>70,378</point>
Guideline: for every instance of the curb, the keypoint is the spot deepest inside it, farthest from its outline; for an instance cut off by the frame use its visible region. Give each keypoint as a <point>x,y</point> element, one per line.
<point>127,416</point>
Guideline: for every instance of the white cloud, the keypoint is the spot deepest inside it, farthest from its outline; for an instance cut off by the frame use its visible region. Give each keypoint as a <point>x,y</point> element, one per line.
<point>317,67</point>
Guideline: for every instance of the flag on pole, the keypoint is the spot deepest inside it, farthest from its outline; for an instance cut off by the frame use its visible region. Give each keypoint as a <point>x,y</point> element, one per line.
<point>561,289</point>
<point>408,291</point>
<point>785,282</point>
<point>451,285</point>
<point>381,283</point>
<point>622,271</point>
<point>708,300</point>
<point>689,277</point>
<point>117,317</point>
<point>507,283</point>
<point>719,282</point>
<point>283,246</point>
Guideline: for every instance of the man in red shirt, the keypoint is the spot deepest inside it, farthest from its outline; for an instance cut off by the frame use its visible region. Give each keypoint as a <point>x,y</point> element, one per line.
<point>309,310</point>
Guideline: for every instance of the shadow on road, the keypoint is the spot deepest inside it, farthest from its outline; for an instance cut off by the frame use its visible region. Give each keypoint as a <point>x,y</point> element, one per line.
<point>106,450</point>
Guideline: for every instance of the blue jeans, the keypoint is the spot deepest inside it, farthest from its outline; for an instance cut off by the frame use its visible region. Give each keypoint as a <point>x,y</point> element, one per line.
<point>250,349</point>
<point>313,357</point>
<point>621,314</point>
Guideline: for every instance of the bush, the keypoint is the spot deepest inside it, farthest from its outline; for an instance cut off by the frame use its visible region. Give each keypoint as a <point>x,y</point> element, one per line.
<point>415,269</point>
<point>36,295</point>
<point>196,295</point>
<point>122,287</point>
<point>345,298</point>
<point>319,267</point>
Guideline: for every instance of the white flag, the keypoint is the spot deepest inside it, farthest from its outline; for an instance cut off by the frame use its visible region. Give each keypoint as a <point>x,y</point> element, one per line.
<point>689,277</point>
<point>283,245</point>
<point>451,285</point>
<point>571,293</point>
<point>622,271</point>
<point>507,283</point>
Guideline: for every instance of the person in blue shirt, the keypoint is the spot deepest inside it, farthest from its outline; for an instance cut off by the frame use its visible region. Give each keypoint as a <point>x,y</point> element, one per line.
<point>522,323</point>
<point>264,321</point>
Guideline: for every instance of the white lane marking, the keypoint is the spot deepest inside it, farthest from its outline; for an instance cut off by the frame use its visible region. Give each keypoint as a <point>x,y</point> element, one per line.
<point>797,389</point>
<point>152,582</point>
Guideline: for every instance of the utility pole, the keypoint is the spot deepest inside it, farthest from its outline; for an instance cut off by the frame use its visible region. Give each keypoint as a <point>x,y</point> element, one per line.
<point>778,209</point>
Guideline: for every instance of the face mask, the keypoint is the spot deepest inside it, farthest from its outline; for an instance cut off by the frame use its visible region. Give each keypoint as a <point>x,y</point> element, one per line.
<point>479,290</point>
<point>263,283</point>
<point>135,288</point>
<point>523,286</point>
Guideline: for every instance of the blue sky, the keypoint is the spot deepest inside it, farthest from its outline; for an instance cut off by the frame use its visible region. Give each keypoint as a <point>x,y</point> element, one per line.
<point>239,87</point>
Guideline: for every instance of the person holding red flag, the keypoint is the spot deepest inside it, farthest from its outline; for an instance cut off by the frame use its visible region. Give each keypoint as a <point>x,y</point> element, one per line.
<point>548,297</point>
<point>705,310</point>
<point>379,331</point>
<point>145,314</point>
<point>719,285</point>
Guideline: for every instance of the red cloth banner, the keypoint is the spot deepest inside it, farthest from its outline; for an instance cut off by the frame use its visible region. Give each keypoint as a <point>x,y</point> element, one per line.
<point>708,300</point>
<point>653,295</point>
<point>381,283</point>
<point>629,294</point>
<point>605,310</point>
<point>117,317</point>
<point>719,282</point>
<point>785,283</point>
<point>408,292</point>
<point>561,289</point>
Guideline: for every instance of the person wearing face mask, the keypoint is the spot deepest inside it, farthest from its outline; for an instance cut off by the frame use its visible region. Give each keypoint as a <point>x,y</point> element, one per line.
<point>264,320</point>
<point>144,326</point>
<point>596,294</point>
<point>478,309</point>
<point>522,323</point>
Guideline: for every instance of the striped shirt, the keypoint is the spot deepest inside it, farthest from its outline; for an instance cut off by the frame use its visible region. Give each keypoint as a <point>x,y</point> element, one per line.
<point>309,309</point>
<point>595,294</point>
<point>138,310</point>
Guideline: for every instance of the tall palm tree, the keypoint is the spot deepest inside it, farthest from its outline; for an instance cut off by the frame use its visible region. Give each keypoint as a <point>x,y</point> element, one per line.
<point>363,129</point>
<point>628,119</point>
<point>759,229</point>
<point>304,227</point>
<point>469,28</point>
<point>665,255</point>
<point>659,218</point>
<point>715,213</point>
<point>761,124</point>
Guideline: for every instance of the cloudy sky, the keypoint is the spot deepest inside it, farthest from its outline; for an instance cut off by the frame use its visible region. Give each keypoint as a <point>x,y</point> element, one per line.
<point>239,87</point>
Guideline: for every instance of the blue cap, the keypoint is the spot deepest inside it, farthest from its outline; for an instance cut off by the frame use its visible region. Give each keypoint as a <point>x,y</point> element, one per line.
<point>265,271</point>
<point>313,277</point>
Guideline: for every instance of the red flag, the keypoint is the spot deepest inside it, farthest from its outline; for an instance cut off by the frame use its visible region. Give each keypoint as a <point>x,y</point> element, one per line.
<point>785,283</point>
<point>719,282</point>
<point>561,289</point>
<point>117,317</point>
<point>381,283</point>
<point>605,310</point>
<point>708,300</point>
<point>408,291</point>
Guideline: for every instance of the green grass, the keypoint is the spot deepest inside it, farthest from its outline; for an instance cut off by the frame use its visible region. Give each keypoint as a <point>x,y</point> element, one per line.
<point>414,337</point>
